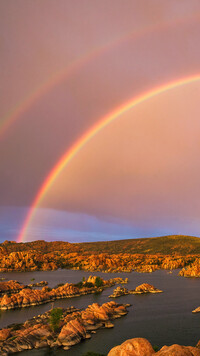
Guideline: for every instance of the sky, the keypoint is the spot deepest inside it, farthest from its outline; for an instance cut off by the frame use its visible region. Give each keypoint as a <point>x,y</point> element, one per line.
<point>65,65</point>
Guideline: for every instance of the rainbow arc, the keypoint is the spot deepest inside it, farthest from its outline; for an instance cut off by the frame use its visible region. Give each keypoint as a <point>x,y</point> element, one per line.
<point>88,135</point>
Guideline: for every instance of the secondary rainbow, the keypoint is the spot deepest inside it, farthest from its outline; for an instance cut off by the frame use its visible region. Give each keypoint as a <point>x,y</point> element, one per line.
<point>56,78</point>
<point>87,136</point>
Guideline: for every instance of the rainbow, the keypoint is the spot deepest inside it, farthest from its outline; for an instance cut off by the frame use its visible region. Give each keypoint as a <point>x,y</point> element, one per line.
<point>24,105</point>
<point>87,136</point>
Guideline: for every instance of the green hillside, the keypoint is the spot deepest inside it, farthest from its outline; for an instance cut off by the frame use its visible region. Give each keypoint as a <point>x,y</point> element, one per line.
<point>167,245</point>
<point>178,244</point>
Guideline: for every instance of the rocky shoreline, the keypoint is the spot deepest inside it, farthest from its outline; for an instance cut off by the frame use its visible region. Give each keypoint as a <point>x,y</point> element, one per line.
<point>73,327</point>
<point>11,287</point>
<point>30,297</point>
<point>141,289</point>
<point>44,256</point>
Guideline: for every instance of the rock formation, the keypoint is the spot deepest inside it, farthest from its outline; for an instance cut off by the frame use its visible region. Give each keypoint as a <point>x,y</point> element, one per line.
<point>74,326</point>
<point>38,284</point>
<point>192,270</point>
<point>29,297</point>
<point>10,287</point>
<point>197,310</point>
<point>133,347</point>
<point>146,288</point>
<point>143,288</point>
<point>142,347</point>
<point>41,255</point>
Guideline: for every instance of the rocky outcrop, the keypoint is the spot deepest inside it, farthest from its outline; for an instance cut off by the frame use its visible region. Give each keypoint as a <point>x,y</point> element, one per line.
<point>146,288</point>
<point>118,292</point>
<point>197,310</point>
<point>30,297</point>
<point>133,347</point>
<point>38,284</point>
<point>143,288</point>
<point>4,334</point>
<point>10,287</point>
<point>191,271</point>
<point>41,255</point>
<point>178,350</point>
<point>142,347</point>
<point>75,326</point>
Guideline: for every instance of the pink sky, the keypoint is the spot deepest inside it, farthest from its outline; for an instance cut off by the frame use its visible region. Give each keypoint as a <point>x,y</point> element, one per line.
<point>144,167</point>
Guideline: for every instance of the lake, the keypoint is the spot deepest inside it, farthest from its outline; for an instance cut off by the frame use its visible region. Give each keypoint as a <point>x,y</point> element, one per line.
<point>164,318</point>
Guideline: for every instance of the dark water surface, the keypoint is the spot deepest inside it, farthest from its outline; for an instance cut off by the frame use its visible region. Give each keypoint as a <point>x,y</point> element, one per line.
<point>164,318</point>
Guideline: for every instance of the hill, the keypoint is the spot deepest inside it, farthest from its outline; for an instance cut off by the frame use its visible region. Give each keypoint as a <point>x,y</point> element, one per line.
<point>165,245</point>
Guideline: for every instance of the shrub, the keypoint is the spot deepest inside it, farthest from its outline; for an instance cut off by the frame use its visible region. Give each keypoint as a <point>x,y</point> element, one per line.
<point>88,285</point>
<point>55,317</point>
<point>156,348</point>
<point>98,282</point>
<point>79,284</point>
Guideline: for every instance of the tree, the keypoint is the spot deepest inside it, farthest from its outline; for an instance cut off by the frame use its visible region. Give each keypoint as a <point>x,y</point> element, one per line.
<point>55,317</point>
<point>98,282</point>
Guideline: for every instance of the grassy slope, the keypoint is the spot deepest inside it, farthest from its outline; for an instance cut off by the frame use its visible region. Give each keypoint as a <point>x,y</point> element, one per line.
<point>166,245</point>
<point>179,244</point>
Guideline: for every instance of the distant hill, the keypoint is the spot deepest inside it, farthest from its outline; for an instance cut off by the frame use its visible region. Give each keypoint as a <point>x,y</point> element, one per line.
<point>40,246</point>
<point>165,245</point>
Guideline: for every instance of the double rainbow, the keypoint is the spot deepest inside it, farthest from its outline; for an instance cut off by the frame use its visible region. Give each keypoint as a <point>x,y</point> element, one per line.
<point>87,136</point>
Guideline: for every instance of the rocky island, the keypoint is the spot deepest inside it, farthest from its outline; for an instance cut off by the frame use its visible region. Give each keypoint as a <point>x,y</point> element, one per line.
<point>59,327</point>
<point>141,289</point>
<point>29,297</point>
<point>10,287</point>
<point>197,310</point>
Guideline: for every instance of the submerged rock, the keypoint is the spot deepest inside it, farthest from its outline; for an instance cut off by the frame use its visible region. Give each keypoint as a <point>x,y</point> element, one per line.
<point>197,310</point>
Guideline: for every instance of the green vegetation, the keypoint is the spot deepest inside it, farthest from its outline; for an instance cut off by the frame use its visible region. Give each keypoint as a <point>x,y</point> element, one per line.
<point>166,245</point>
<point>55,317</point>
<point>98,282</point>
<point>88,285</point>
<point>79,285</point>
<point>156,348</point>
<point>16,326</point>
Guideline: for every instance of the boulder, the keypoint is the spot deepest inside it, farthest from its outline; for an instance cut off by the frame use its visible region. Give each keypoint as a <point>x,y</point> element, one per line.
<point>178,350</point>
<point>133,347</point>
<point>4,334</point>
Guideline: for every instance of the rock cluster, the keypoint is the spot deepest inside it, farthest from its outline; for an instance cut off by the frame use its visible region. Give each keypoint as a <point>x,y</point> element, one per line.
<point>143,288</point>
<point>118,292</point>
<point>29,297</point>
<point>142,347</point>
<point>41,255</point>
<point>10,287</point>
<point>146,288</point>
<point>38,284</point>
<point>74,326</point>
<point>191,271</point>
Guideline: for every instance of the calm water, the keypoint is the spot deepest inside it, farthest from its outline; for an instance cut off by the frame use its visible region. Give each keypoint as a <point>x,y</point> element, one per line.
<point>163,319</point>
